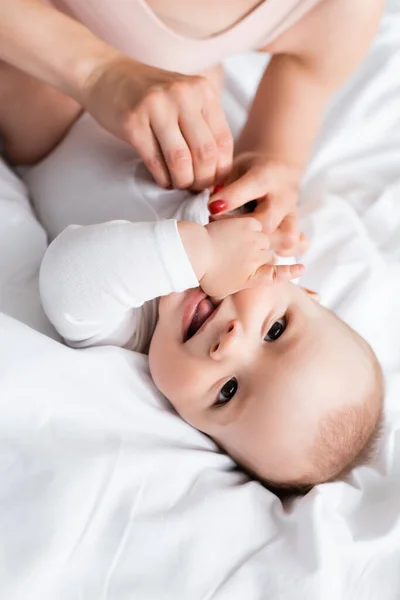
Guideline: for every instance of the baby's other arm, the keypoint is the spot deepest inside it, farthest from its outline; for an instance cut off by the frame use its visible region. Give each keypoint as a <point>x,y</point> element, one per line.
<point>92,277</point>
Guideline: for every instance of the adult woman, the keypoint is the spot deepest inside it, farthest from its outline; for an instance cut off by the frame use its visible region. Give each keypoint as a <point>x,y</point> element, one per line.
<point>174,119</point>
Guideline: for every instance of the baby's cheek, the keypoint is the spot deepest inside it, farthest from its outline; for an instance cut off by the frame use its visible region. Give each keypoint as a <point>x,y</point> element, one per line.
<point>162,367</point>
<point>173,375</point>
<point>184,392</point>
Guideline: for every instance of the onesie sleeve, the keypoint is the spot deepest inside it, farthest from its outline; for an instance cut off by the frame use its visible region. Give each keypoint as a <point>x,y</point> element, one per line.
<point>93,277</point>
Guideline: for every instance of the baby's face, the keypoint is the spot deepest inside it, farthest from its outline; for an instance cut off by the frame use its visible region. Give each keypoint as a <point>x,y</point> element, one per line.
<point>256,372</point>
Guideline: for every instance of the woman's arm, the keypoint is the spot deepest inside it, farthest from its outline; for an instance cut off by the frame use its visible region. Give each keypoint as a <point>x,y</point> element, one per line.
<point>309,63</point>
<point>174,121</point>
<point>49,45</point>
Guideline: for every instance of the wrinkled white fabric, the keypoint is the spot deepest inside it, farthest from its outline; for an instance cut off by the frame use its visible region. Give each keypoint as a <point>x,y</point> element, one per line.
<point>106,494</point>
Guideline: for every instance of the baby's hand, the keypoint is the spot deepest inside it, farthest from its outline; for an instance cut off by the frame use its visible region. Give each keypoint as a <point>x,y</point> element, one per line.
<point>274,185</point>
<point>241,257</point>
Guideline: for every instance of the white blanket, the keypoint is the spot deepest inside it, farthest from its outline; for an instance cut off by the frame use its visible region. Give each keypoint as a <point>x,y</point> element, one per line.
<point>105,494</point>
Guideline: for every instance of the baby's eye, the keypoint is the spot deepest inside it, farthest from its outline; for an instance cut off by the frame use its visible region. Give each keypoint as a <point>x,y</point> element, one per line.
<point>227,391</point>
<point>276,330</point>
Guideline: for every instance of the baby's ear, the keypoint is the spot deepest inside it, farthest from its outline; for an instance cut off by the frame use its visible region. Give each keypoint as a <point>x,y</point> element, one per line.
<point>314,295</point>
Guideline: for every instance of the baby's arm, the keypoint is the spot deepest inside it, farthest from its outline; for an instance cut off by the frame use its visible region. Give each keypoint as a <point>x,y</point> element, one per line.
<point>92,277</point>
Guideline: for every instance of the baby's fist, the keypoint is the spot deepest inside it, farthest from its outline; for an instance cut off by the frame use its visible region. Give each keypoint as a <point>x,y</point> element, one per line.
<point>241,257</point>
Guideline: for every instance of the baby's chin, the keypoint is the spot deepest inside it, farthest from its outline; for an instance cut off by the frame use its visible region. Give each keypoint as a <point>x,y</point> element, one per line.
<point>165,306</point>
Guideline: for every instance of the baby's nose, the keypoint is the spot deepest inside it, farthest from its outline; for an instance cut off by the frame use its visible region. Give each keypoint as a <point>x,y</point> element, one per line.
<point>226,341</point>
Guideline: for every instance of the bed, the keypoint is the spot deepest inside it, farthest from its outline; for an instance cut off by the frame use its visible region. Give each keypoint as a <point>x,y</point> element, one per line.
<point>105,494</point>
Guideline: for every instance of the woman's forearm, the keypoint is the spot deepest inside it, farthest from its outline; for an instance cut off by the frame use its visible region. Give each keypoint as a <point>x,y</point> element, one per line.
<point>286,113</point>
<point>49,45</point>
<point>310,62</point>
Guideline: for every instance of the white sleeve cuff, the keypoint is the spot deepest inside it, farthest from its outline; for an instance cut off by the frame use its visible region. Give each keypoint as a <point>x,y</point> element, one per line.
<point>173,255</point>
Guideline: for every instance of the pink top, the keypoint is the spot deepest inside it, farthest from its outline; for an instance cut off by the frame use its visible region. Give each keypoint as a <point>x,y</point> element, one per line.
<point>133,28</point>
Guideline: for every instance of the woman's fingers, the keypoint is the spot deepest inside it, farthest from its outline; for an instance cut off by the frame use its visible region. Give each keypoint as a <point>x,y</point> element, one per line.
<point>215,118</point>
<point>271,210</point>
<point>303,244</point>
<point>147,145</point>
<point>174,121</point>
<point>286,237</point>
<point>176,154</point>
<point>192,134</point>
<point>289,230</point>
<point>202,147</point>
<point>299,246</point>
<point>279,211</point>
<point>238,193</point>
<point>207,134</point>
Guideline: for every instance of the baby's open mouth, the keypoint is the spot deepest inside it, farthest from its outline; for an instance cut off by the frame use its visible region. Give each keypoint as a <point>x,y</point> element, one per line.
<point>203,311</point>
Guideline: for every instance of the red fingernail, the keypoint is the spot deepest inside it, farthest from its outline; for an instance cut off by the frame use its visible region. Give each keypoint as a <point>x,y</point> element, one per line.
<point>217,206</point>
<point>218,188</point>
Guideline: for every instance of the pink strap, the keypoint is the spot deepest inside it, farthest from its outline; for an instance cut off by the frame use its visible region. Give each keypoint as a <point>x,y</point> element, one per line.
<point>133,28</point>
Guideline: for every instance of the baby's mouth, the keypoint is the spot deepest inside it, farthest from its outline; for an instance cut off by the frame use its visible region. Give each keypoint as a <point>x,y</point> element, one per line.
<point>203,312</point>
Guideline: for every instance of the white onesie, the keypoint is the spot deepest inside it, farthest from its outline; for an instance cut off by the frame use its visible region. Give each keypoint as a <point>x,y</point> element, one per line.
<point>96,281</point>
<point>100,283</point>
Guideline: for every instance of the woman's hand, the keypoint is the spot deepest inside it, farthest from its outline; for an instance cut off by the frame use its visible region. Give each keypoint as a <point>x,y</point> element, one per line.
<point>175,122</point>
<point>268,190</point>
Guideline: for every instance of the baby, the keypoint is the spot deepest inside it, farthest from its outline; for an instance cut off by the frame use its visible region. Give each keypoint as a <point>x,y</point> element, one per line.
<point>285,387</point>
<point>280,383</point>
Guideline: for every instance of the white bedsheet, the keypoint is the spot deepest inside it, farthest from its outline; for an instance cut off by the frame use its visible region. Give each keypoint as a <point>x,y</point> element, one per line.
<point>106,495</point>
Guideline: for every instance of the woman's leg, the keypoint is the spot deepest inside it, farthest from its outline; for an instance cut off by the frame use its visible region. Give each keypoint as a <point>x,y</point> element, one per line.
<point>34,117</point>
